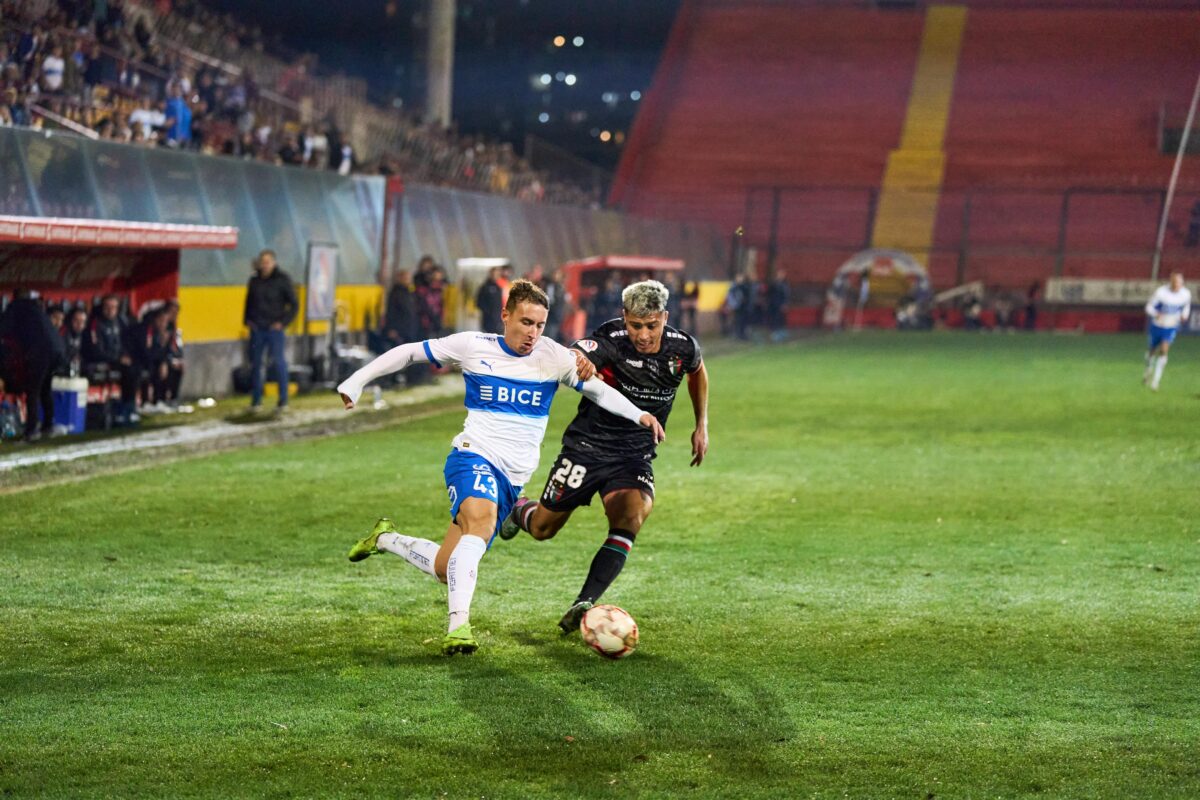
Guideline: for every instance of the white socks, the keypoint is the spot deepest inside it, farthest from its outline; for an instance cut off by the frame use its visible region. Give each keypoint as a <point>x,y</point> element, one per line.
<point>418,552</point>
<point>1159,365</point>
<point>461,575</point>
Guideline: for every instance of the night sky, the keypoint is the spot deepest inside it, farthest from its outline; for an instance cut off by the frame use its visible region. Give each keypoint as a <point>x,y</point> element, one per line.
<point>502,48</point>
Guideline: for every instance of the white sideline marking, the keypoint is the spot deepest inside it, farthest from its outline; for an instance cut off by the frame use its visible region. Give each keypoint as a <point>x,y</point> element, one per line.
<point>215,429</point>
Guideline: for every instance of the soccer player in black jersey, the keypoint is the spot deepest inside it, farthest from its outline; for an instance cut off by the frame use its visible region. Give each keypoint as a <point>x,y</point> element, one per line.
<point>644,359</point>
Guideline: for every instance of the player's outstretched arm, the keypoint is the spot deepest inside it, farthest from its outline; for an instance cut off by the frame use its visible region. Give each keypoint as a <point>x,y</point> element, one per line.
<point>698,391</point>
<point>614,402</point>
<point>392,361</point>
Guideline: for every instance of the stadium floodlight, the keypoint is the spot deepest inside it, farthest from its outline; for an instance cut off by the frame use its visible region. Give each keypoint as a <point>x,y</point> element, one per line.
<point>570,79</point>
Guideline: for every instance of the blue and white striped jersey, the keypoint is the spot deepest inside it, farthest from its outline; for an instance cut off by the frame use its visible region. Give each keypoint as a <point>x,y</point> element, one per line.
<point>508,396</point>
<point>1169,309</point>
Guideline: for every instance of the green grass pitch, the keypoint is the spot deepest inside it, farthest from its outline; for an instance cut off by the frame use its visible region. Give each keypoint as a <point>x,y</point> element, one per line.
<point>913,566</point>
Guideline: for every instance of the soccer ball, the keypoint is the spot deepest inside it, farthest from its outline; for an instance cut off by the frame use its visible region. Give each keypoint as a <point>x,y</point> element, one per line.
<point>609,630</point>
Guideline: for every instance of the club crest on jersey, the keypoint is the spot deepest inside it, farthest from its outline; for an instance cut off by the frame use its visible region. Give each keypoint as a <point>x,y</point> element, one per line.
<point>675,365</point>
<point>586,345</point>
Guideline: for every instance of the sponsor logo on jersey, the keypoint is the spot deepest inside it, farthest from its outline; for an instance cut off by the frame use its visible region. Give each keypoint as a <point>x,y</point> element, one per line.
<point>506,394</point>
<point>486,364</point>
<point>674,335</point>
<point>633,363</point>
<point>647,481</point>
<point>587,345</point>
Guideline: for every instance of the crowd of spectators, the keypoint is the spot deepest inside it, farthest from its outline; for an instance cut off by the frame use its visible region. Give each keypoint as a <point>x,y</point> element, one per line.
<point>101,67</point>
<point>141,359</point>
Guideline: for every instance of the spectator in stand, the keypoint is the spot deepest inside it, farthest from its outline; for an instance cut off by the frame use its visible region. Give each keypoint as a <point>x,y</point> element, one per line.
<point>52,70</point>
<point>178,122</point>
<point>271,306</point>
<point>106,356</point>
<point>556,297</point>
<point>777,299</point>
<point>291,152</point>
<point>18,111</point>
<point>347,163</point>
<point>487,300</point>
<point>146,118</point>
<point>37,350</point>
<point>93,73</point>
<point>27,49</point>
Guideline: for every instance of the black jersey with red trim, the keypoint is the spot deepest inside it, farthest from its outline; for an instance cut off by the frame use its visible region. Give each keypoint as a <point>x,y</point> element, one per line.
<point>648,381</point>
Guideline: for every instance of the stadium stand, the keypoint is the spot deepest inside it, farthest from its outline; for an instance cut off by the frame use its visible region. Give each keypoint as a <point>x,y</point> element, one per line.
<point>121,64</point>
<point>1006,142</point>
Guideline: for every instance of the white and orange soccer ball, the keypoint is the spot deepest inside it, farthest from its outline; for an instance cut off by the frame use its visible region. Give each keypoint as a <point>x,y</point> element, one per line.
<point>610,631</point>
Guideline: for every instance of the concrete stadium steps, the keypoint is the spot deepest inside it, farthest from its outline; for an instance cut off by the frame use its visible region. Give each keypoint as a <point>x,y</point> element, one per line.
<point>761,95</point>
<point>1038,98</point>
<point>1079,89</point>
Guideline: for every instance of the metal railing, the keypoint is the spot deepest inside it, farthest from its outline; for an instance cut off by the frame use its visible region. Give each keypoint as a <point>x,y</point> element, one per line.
<point>991,234</point>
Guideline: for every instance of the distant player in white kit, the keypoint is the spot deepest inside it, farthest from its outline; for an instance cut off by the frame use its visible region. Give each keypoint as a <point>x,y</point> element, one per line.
<point>1169,307</point>
<point>511,380</point>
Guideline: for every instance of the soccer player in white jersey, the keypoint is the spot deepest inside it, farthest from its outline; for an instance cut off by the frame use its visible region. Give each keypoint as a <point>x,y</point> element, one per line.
<point>1169,307</point>
<point>511,380</point>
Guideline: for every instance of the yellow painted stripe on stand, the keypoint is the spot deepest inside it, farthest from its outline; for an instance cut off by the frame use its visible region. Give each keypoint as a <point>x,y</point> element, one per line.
<point>912,181</point>
<point>214,313</point>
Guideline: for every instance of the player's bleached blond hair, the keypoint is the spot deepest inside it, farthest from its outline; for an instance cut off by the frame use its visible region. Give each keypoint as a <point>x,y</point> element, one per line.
<point>644,298</point>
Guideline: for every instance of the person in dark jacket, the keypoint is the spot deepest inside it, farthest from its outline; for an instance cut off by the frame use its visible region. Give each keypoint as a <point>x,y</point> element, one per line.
<point>106,355</point>
<point>400,315</point>
<point>488,301</point>
<point>271,306</point>
<point>777,299</point>
<point>158,357</point>
<point>556,295</point>
<point>74,335</point>
<point>36,350</point>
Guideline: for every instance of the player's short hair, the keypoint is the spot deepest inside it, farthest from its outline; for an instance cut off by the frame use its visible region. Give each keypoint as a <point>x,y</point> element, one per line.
<point>644,298</point>
<point>523,291</point>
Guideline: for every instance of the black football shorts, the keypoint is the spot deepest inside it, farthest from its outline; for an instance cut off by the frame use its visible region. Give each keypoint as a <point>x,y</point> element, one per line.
<point>574,479</point>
